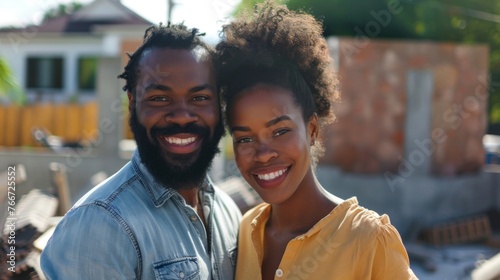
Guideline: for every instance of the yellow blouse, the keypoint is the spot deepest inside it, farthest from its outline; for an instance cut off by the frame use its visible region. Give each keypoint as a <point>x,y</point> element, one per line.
<point>349,243</point>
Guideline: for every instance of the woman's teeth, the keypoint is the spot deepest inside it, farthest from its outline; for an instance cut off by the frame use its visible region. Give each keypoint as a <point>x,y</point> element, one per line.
<point>272,175</point>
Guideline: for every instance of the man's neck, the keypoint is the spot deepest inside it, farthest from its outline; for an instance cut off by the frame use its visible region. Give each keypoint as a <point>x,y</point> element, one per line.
<point>193,199</point>
<point>190,196</point>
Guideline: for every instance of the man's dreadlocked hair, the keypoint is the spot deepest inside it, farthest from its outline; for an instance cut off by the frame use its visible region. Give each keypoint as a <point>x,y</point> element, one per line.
<point>174,36</point>
<point>279,47</point>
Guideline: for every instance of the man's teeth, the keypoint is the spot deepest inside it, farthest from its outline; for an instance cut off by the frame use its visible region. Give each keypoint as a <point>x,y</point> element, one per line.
<point>179,141</point>
<point>272,175</point>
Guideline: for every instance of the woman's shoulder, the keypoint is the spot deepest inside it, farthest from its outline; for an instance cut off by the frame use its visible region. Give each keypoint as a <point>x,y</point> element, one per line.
<point>256,215</point>
<point>356,219</point>
<point>257,211</point>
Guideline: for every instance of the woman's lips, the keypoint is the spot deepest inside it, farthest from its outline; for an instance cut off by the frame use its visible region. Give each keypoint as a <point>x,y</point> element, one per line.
<point>268,179</point>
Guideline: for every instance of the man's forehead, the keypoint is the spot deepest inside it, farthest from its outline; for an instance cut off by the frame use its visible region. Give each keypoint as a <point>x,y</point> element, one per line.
<point>201,54</point>
<point>198,54</point>
<point>166,65</point>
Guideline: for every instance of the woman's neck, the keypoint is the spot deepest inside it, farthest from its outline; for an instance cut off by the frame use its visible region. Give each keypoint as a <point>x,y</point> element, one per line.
<point>309,204</point>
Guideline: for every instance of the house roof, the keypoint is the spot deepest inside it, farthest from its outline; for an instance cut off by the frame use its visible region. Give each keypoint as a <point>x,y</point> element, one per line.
<point>99,12</point>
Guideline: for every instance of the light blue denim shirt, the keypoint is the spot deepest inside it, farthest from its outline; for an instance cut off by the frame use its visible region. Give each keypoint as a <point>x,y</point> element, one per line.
<point>130,227</point>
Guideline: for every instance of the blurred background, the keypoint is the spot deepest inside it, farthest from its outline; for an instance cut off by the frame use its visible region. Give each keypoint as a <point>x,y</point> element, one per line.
<point>416,136</point>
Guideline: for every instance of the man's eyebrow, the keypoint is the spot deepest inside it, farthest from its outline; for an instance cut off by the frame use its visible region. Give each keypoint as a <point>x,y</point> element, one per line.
<point>268,124</point>
<point>158,87</point>
<point>202,87</point>
<point>155,86</point>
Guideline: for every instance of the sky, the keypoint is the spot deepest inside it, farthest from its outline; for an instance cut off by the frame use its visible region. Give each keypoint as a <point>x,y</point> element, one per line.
<point>207,15</point>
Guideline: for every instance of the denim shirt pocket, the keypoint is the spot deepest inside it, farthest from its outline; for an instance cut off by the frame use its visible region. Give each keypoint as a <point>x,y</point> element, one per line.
<point>233,254</point>
<point>183,268</point>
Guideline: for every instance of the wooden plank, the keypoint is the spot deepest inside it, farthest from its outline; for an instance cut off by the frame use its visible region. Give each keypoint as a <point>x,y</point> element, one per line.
<point>60,182</point>
<point>12,123</point>
<point>89,119</point>
<point>460,231</point>
<point>3,128</point>
<point>58,123</point>
<point>70,122</point>
<point>73,123</point>
<point>27,122</point>
<point>43,113</point>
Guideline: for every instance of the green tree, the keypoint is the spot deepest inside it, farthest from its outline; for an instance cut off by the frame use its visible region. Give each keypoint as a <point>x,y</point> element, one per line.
<point>61,10</point>
<point>9,88</point>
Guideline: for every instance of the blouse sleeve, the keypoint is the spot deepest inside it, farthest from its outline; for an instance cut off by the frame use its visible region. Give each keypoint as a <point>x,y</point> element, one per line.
<point>391,259</point>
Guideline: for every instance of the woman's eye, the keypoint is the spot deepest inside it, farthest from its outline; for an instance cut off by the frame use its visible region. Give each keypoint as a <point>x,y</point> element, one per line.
<point>243,140</point>
<point>281,131</point>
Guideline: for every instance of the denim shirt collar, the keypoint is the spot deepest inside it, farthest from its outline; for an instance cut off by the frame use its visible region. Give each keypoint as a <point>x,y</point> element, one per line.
<point>159,193</point>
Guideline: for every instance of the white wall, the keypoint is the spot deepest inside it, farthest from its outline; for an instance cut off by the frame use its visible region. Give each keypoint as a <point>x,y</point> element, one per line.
<point>15,48</point>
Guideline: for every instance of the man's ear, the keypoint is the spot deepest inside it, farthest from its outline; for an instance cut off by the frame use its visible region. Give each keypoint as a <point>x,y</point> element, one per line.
<point>131,101</point>
<point>313,129</point>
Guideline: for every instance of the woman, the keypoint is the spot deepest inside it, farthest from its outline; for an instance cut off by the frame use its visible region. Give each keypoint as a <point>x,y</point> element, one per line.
<point>277,83</point>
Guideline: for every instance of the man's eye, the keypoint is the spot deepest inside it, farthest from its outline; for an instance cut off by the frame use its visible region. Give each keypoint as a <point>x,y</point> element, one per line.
<point>159,98</point>
<point>281,131</point>
<point>200,98</point>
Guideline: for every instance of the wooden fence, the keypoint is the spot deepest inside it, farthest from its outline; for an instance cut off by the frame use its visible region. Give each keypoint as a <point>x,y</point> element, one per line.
<point>71,122</point>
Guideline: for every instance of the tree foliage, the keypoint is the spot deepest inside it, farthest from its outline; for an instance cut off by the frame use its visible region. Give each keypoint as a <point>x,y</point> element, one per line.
<point>61,10</point>
<point>9,88</point>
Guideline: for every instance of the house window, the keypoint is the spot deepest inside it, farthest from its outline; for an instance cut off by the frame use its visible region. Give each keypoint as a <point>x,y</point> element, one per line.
<point>87,68</point>
<point>45,73</point>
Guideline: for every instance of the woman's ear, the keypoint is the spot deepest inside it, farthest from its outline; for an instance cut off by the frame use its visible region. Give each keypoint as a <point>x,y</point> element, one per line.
<point>313,129</point>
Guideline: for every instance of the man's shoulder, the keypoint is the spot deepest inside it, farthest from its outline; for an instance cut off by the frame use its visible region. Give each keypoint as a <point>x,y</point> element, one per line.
<point>110,189</point>
<point>111,204</point>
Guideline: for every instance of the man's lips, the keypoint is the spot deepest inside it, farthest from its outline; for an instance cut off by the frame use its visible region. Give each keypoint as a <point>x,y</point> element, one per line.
<point>183,143</point>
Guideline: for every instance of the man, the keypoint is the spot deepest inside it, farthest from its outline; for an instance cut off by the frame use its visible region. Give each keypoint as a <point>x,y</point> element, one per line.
<point>159,217</point>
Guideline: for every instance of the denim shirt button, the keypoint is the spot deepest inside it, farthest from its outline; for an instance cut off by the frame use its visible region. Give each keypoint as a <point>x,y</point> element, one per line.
<point>181,275</point>
<point>193,218</point>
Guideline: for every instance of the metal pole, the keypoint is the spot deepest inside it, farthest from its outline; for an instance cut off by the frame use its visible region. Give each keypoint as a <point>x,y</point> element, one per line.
<point>170,8</point>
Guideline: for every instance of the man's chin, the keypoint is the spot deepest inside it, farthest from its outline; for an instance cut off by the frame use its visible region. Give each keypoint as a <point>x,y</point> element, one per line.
<point>175,171</point>
<point>180,162</point>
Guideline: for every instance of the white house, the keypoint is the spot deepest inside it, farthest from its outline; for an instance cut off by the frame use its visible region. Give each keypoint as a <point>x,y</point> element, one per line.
<point>57,60</point>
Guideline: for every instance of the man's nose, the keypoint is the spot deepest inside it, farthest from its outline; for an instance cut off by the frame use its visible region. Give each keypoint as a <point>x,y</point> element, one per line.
<point>181,114</point>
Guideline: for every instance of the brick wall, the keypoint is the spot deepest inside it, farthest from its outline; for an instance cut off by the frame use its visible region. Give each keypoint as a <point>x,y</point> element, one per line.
<point>370,133</point>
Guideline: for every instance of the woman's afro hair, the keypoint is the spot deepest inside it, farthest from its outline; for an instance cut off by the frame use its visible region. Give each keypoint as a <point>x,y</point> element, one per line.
<point>271,36</point>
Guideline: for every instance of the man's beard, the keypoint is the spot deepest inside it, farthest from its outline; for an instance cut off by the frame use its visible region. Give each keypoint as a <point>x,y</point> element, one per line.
<point>177,171</point>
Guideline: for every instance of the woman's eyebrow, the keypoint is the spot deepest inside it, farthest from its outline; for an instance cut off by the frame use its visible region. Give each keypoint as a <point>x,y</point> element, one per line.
<point>268,124</point>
